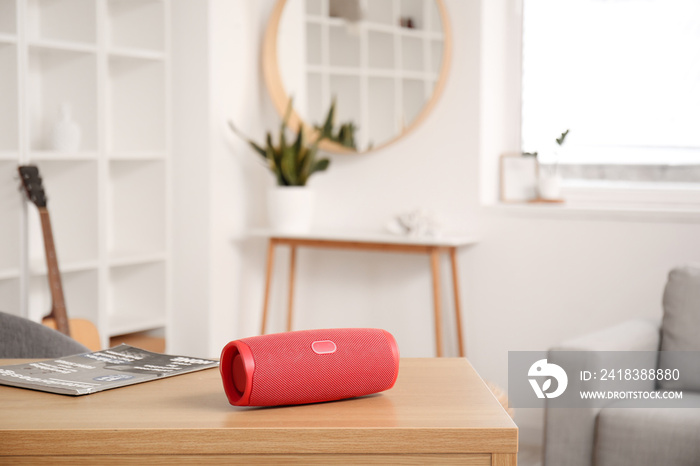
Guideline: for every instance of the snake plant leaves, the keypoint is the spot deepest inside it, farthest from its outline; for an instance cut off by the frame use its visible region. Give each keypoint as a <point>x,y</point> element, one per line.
<point>252,143</point>
<point>288,166</point>
<point>272,165</point>
<point>319,166</point>
<point>327,128</point>
<point>560,139</point>
<point>293,164</point>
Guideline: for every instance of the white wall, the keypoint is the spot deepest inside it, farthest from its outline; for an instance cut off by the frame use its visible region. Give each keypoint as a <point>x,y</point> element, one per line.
<point>534,279</point>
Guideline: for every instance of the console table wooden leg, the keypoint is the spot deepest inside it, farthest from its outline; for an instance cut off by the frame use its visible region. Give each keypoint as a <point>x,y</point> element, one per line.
<point>268,282</point>
<point>292,266</point>
<point>458,311</point>
<point>435,266</point>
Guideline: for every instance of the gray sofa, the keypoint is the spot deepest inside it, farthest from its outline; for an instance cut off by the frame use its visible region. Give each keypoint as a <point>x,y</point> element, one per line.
<point>23,338</point>
<point>615,435</point>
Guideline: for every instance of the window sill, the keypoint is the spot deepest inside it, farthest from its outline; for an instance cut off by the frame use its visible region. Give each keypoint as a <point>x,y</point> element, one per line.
<point>638,202</point>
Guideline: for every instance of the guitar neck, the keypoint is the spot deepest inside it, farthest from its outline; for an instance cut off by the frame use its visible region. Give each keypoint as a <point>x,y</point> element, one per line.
<point>58,308</point>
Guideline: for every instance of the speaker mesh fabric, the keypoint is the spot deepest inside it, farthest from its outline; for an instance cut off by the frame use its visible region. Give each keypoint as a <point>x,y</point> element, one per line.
<point>288,371</point>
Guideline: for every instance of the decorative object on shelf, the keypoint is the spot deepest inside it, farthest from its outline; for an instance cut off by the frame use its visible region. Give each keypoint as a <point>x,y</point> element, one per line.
<point>349,10</point>
<point>291,204</point>
<point>415,223</point>
<point>407,22</point>
<point>549,178</point>
<point>518,177</point>
<point>66,133</point>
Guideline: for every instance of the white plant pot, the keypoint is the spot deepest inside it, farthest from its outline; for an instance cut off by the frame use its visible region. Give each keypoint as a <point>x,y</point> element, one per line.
<point>290,209</point>
<point>549,186</point>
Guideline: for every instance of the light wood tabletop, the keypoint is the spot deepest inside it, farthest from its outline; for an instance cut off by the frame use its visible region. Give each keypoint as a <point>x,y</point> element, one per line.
<point>439,412</point>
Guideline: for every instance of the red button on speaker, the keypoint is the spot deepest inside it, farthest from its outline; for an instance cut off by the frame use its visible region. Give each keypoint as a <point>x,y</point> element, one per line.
<point>324,347</point>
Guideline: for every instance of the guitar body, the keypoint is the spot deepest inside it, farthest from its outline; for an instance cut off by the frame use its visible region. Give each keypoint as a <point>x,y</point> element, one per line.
<point>81,330</point>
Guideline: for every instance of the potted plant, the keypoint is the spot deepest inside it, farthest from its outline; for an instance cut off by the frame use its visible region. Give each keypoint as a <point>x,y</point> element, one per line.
<point>549,179</point>
<point>292,162</point>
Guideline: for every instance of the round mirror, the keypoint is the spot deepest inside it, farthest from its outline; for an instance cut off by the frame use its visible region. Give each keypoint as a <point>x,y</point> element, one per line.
<point>380,65</point>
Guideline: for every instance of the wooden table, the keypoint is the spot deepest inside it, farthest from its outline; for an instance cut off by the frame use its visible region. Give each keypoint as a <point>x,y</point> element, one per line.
<point>439,412</point>
<point>370,241</point>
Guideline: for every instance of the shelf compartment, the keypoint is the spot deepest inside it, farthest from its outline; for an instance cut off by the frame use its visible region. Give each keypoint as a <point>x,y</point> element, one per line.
<point>413,9</point>
<point>136,90</point>
<point>414,98</point>
<point>8,17</point>
<point>436,48</point>
<point>314,54</point>
<point>144,156</point>
<point>381,11</point>
<point>79,291</point>
<point>37,267</point>
<point>62,20</point>
<point>10,296</point>
<point>137,24</point>
<point>9,117</point>
<point>137,298</point>
<point>136,53</point>
<point>381,50</point>
<point>382,123</point>
<point>346,90</point>
<point>315,110</point>
<point>137,207</point>
<point>11,200</point>
<point>52,155</point>
<point>58,77</point>
<point>434,19</point>
<point>314,7</point>
<point>6,155</point>
<point>124,259</point>
<point>412,54</point>
<point>71,190</point>
<point>344,47</point>
<point>62,45</point>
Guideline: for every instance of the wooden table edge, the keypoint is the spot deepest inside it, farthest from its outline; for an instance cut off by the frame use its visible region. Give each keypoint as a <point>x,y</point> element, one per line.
<point>47,442</point>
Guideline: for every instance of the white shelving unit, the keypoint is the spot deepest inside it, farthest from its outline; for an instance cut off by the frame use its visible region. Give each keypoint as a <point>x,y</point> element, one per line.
<point>109,200</point>
<point>381,73</point>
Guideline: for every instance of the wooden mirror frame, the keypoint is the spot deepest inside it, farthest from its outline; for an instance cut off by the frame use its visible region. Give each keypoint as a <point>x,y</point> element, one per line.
<point>280,99</point>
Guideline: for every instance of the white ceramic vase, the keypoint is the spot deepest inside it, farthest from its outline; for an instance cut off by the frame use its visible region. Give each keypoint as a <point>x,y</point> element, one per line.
<point>66,132</point>
<point>549,185</point>
<point>290,209</point>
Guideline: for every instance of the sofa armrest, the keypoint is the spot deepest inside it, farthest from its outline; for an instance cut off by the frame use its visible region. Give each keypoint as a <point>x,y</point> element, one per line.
<point>570,433</point>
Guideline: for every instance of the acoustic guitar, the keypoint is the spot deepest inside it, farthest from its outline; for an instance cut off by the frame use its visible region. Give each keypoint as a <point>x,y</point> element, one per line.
<point>81,330</point>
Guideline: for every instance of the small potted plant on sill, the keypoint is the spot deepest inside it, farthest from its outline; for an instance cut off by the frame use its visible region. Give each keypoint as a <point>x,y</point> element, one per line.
<point>291,202</point>
<point>549,178</point>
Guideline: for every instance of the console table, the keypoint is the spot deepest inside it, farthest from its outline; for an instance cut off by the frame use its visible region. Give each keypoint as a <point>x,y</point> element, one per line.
<point>370,241</point>
<point>439,412</point>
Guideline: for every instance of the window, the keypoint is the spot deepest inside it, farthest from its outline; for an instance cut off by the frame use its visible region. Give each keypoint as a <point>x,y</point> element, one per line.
<point>624,77</point>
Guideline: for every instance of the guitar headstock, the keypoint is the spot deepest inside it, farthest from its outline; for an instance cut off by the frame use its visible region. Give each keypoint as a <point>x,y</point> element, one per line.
<point>31,181</point>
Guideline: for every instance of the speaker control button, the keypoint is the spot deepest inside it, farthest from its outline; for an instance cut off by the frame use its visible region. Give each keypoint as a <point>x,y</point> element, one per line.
<point>323,347</point>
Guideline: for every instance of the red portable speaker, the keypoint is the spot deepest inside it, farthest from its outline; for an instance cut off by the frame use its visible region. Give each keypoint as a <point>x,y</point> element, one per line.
<point>309,366</point>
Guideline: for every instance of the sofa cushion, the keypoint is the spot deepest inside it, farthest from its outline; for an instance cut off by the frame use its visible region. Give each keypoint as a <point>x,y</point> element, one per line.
<point>23,338</point>
<point>648,436</point>
<point>680,328</point>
